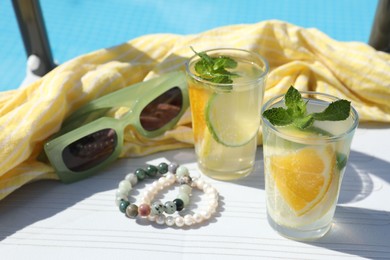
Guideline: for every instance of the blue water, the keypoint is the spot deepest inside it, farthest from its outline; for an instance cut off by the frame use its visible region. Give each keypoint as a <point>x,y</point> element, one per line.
<point>76,27</point>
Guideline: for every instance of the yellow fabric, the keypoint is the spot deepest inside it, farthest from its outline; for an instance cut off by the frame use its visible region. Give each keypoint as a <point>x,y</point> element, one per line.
<point>305,58</point>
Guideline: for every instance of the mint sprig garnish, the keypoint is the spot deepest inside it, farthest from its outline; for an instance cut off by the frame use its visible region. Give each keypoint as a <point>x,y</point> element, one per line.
<point>296,112</point>
<point>214,69</point>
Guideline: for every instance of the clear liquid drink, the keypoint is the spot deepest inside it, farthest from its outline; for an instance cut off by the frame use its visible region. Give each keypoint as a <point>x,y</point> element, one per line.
<point>304,168</point>
<point>226,116</point>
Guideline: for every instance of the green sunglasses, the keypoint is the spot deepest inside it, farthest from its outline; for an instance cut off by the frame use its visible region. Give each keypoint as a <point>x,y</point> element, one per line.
<point>92,137</point>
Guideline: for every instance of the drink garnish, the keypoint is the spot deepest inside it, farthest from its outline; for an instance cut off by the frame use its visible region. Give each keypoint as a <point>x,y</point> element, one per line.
<point>214,69</point>
<point>296,113</point>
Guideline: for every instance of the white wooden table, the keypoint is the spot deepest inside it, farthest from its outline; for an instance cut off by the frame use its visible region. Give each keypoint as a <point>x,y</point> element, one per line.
<point>50,220</point>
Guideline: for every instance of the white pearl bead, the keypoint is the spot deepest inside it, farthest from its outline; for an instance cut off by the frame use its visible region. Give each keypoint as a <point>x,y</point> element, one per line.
<point>152,217</point>
<point>199,184</point>
<point>188,220</point>
<point>160,219</point>
<point>170,221</point>
<point>132,178</point>
<point>206,186</point>
<point>156,185</point>
<point>206,214</point>
<point>198,218</point>
<point>214,204</point>
<point>167,183</point>
<point>151,191</point>
<point>212,197</point>
<point>171,177</point>
<point>179,221</point>
<point>161,181</point>
<point>147,196</point>
<point>146,200</point>
<point>209,190</point>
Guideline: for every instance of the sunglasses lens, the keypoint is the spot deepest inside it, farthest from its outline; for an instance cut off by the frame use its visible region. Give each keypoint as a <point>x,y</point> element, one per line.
<point>90,151</point>
<point>162,109</point>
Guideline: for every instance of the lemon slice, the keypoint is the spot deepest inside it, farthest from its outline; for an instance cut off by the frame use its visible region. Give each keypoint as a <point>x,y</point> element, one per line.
<point>233,118</point>
<point>303,177</point>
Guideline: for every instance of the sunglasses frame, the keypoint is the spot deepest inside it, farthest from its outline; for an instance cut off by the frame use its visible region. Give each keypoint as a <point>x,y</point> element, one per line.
<point>135,97</point>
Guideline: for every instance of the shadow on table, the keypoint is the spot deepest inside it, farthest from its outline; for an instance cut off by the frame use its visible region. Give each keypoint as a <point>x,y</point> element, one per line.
<point>360,232</point>
<point>43,199</point>
<point>356,231</point>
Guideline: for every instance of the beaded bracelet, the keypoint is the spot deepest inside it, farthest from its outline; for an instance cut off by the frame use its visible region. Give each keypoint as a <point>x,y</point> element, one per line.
<point>155,212</point>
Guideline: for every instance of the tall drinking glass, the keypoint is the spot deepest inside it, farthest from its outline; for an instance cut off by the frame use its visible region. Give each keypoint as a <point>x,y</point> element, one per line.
<point>304,169</point>
<point>226,116</point>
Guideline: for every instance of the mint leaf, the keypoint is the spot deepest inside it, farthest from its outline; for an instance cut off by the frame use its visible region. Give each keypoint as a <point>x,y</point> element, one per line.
<point>214,69</point>
<point>292,98</point>
<point>278,116</point>
<point>203,56</point>
<point>203,68</point>
<point>341,160</point>
<point>295,105</point>
<point>224,62</point>
<point>296,111</point>
<point>303,122</point>
<point>336,111</point>
<point>221,79</point>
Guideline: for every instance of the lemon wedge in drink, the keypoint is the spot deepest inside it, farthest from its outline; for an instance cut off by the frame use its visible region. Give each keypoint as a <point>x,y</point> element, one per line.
<point>232,117</point>
<point>303,177</point>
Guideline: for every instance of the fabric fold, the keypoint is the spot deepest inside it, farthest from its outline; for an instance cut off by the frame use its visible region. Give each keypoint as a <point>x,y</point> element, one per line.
<point>305,58</point>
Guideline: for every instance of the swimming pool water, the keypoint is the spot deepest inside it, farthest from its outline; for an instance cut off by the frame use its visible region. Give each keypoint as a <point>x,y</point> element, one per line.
<point>76,27</point>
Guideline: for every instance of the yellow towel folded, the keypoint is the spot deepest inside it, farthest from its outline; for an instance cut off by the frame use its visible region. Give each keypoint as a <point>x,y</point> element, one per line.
<point>305,58</point>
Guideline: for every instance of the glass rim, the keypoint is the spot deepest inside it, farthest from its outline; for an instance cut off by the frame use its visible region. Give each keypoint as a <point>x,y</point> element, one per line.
<point>315,140</point>
<point>199,79</point>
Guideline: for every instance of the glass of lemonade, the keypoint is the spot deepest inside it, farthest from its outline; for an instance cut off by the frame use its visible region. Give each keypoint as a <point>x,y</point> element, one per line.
<point>304,168</point>
<point>226,115</point>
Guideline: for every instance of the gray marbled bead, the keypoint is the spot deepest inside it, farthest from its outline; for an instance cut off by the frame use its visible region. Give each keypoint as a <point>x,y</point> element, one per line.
<point>157,208</point>
<point>169,207</point>
<point>172,167</point>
